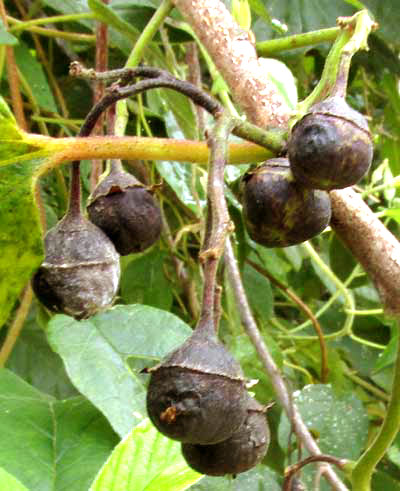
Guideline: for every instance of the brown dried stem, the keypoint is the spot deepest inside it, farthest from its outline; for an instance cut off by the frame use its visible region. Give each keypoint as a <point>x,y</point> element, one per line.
<point>218,221</point>
<point>305,308</point>
<point>101,64</point>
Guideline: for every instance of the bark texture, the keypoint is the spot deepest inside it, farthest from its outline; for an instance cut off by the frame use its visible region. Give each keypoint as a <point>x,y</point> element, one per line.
<point>236,58</point>
<point>371,243</point>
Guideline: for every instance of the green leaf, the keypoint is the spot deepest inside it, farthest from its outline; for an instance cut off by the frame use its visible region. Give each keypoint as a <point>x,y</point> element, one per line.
<point>34,75</point>
<point>260,478</point>
<point>283,79</point>
<point>300,16</point>
<point>48,440</point>
<point>108,16</point>
<point>96,352</point>
<point>34,361</point>
<point>258,289</point>
<point>387,14</point>
<point>20,233</point>
<point>143,281</point>
<point>5,37</point>
<point>339,423</point>
<point>9,483</point>
<point>145,461</point>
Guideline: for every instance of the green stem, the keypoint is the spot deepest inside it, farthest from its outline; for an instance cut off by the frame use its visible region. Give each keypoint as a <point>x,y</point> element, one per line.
<point>348,298</point>
<point>69,36</point>
<point>353,37</point>
<point>136,55</point>
<point>22,25</point>
<point>267,48</point>
<point>365,466</point>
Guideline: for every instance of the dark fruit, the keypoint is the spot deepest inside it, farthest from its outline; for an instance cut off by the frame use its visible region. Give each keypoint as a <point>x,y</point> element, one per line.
<point>80,273</point>
<point>239,453</point>
<point>197,394</point>
<point>277,210</point>
<point>330,147</point>
<point>126,212</point>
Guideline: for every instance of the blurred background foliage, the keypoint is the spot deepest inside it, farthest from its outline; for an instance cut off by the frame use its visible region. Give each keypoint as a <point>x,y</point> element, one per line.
<point>87,374</point>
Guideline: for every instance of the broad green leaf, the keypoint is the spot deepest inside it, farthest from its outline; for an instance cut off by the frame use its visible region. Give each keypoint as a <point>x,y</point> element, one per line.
<point>180,177</point>
<point>5,37</point>
<point>339,423</point>
<point>34,361</point>
<point>260,478</point>
<point>301,16</point>
<point>109,17</point>
<point>96,353</point>
<point>258,289</point>
<point>9,482</point>
<point>384,482</point>
<point>145,461</point>
<point>34,75</point>
<point>143,281</point>
<point>20,234</point>
<point>50,445</point>
<point>387,14</point>
<point>283,79</point>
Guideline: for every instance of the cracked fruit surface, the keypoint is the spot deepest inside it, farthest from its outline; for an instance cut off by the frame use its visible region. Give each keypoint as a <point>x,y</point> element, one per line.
<point>126,211</point>
<point>330,147</point>
<point>197,394</point>
<point>81,271</point>
<point>239,453</point>
<point>277,210</point>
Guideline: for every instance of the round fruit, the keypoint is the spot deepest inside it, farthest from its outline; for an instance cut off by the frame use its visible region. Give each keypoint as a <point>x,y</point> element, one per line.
<point>198,394</point>
<point>277,210</point>
<point>239,453</point>
<point>80,274</point>
<point>126,211</point>
<point>330,147</point>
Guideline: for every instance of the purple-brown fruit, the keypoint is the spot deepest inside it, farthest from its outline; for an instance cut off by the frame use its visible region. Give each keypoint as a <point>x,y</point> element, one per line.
<point>197,394</point>
<point>80,273</point>
<point>330,147</point>
<point>277,210</point>
<point>126,211</point>
<point>239,453</point>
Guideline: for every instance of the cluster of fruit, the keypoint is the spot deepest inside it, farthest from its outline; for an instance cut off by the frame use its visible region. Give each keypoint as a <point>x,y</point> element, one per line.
<point>285,201</point>
<point>81,271</point>
<point>197,396</point>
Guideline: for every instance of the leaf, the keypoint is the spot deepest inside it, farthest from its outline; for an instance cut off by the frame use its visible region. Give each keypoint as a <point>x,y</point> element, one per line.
<point>96,352</point>
<point>9,483</point>
<point>145,460</point>
<point>283,79</point>
<point>143,281</point>
<point>47,440</point>
<point>387,14</point>
<point>340,424</point>
<point>260,478</point>
<point>20,233</point>
<point>300,16</point>
<point>34,361</point>
<point>258,289</point>
<point>34,75</point>
<point>5,37</point>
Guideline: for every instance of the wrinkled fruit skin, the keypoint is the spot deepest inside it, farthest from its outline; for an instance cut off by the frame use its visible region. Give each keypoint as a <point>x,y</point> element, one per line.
<point>197,394</point>
<point>126,212</point>
<point>239,453</point>
<point>80,274</point>
<point>277,210</point>
<point>330,147</point>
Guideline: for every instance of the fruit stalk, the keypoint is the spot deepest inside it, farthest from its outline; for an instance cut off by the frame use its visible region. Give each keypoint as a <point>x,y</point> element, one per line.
<point>218,221</point>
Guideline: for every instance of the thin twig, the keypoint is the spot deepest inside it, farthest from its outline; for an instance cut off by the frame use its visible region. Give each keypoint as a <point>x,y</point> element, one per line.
<point>306,309</point>
<point>274,373</point>
<point>155,78</point>
<point>218,221</point>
